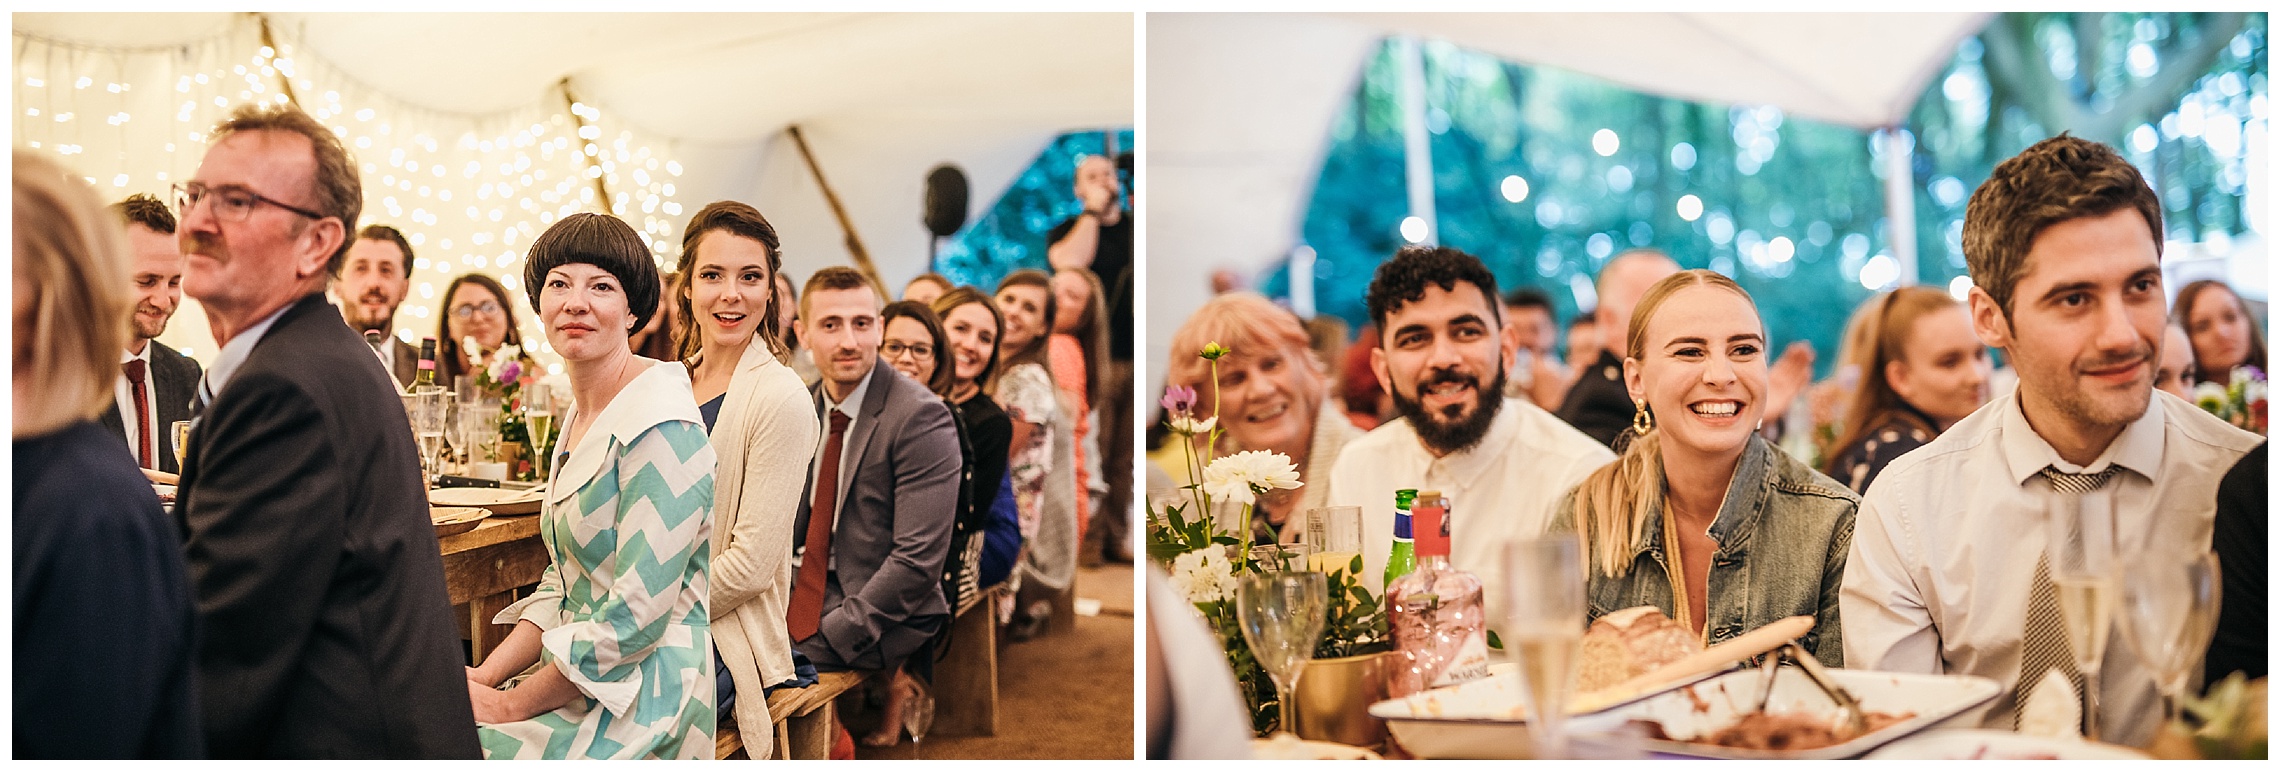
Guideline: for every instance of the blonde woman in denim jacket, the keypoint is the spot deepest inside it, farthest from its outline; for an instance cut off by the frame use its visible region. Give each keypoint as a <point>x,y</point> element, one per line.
<point>1700,516</point>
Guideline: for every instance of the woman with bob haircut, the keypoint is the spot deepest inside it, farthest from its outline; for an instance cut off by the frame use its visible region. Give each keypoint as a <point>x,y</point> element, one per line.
<point>609,658</point>
<point>1921,370</point>
<point>104,656</point>
<point>1273,396</point>
<point>1700,508</point>
<point>764,433</point>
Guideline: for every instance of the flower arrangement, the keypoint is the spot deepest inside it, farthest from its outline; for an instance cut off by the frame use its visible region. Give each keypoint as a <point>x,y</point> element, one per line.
<point>2240,403</point>
<point>1204,559</point>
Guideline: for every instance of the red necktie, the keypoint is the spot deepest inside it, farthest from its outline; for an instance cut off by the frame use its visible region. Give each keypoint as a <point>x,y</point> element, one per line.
<point>805,615</point>
<point>142,413</point>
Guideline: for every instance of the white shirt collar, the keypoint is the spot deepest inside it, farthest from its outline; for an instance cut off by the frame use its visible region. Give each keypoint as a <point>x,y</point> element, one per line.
<point>129,356</point>
<point>2025,453</point>
<point>233,354</point>
<point>853,407</point>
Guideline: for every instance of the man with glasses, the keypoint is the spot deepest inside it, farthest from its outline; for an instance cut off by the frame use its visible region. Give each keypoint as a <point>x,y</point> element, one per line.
<point>324,626</point>
<point>371,286</point>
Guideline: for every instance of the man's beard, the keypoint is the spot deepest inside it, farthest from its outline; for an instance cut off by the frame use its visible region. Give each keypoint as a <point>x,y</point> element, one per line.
<point>381,324</point>
<point>154,329</point>
<point>1459,436</point>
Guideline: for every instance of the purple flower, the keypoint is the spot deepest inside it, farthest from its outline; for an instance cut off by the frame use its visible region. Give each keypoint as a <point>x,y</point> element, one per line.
<point>1179,400</point>
<point>510,372</point>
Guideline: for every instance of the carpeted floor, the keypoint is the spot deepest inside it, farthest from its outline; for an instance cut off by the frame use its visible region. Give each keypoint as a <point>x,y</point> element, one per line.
<point>1060,696</point>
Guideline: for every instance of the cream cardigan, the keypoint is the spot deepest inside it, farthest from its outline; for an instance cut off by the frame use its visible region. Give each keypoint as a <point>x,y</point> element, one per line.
<point>765,436</point>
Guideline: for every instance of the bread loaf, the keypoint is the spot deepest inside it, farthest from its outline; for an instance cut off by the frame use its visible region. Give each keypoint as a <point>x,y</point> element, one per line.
<point>1627,643</point>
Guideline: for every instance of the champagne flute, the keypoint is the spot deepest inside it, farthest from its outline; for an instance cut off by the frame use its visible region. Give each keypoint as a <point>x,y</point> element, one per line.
<point>427,426</point>
<point>2169,604</point>
<point>538,415</point>
<point>181,445</point>
<point>2082,568</point>
<point>1545,619</point>
<point>1282,613</point>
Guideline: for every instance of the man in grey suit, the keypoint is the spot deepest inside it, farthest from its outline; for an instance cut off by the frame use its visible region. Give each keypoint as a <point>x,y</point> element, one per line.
<point>156,382</point>
<point>324,629</point>
<point>867,572</point>
<point>371,285</point>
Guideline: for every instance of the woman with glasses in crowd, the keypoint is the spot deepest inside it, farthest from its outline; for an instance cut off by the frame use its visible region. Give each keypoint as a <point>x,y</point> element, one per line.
<point>1921,370</point>
<point>475,308</point>
<point>610,657</point>
<point>1699,504</point>
<point>764,433</point>
<point>1043,453</point>
<point>103,616</point>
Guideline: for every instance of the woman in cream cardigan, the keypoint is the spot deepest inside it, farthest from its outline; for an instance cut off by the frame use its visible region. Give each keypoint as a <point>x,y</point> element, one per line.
<point>764,430</point>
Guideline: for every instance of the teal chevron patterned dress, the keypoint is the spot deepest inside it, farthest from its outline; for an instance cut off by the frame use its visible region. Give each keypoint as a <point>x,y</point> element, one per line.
<point>623,606</point>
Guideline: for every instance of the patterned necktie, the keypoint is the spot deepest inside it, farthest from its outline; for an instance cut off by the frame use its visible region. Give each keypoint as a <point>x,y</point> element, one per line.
<point>805,615</point>
<point>135,377</point>
<point>2043,646</point>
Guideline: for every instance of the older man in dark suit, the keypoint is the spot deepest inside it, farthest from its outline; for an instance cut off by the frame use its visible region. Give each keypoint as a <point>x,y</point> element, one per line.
<point>154,390</point>
<point>874,525</point>
<point>324,627</point>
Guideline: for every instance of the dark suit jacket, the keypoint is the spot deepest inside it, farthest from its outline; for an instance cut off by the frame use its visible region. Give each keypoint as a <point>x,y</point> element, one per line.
<point>407,360</point>
<point>173,382</point>
<point>898,490</point>
<point>1598,404</point>
<point>325,627</point>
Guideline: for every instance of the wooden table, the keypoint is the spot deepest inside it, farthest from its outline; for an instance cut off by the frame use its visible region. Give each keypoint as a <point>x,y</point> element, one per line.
<point>483,567</point>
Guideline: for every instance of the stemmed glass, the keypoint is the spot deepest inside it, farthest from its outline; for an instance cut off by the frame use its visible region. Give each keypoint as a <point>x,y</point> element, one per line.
<point>2082,568</point>
<point>181,445</point>
<point>2168,611</point>
<point>1282,613</point>
<point>429,409</point>
<point>918,716</point>
<point>538,415</point>
<point>1545,612</point>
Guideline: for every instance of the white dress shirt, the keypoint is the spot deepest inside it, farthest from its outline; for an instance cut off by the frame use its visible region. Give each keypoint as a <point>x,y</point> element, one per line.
<point>853,407</point>
<point>123,393</point>
<point>1503,488</point>
<point>1944,550</point>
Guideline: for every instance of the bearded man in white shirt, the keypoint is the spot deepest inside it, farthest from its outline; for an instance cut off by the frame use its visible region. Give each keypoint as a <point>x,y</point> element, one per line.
<point>1947,573</point>
<point>1502,462</point>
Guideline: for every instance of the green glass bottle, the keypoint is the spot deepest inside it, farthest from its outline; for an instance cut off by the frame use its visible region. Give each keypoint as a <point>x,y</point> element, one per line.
<point>1404,557</point>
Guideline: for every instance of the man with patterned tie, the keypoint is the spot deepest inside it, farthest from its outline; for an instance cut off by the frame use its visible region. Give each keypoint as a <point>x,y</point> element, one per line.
<point>874,524</point>
<point>1948,572</point>
<point>155,390</point>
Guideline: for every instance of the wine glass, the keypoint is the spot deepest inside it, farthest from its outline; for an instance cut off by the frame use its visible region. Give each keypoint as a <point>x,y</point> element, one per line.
<point>538,416</point>
<point>2082,569</point>
<point>1544,630</point>
<point>1282,613</point>
<point>2168,609</point>
<point>918,716</point>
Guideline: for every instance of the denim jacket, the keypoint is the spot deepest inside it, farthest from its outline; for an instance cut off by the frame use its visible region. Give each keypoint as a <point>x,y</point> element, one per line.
<point>1783,533</point>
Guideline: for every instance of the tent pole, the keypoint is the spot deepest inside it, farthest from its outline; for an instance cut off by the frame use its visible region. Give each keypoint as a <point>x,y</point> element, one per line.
<point>594,160</point>
<point>1417,147</point>
<point>847,225</point>
<point>1900,199</point>
<point>284,81</point>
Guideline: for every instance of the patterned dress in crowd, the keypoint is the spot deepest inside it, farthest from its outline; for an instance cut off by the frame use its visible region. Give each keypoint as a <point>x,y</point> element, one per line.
<point>1858,465</point>
<point>628,525</point>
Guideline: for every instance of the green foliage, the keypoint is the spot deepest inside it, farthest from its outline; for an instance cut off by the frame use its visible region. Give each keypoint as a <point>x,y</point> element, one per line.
<point>1356,622</point>
<point>1011,235</point>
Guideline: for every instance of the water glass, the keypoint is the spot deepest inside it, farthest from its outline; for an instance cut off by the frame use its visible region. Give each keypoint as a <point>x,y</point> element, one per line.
<point>1336,535</point>
<point>1544,598</point>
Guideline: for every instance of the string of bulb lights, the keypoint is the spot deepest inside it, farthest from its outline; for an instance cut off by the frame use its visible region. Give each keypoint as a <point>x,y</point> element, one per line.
<point>470,192</point>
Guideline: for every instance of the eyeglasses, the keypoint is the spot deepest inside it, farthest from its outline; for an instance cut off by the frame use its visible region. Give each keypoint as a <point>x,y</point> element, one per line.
<point>894,349</point>
<point>231,203</point>
<point>465,310</point>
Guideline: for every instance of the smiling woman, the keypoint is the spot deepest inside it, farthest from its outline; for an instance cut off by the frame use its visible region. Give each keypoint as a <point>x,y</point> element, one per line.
<point>1696,475</point>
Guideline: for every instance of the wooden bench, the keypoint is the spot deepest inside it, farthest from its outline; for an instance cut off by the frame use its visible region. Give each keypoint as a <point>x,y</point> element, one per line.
<point>965,693</point>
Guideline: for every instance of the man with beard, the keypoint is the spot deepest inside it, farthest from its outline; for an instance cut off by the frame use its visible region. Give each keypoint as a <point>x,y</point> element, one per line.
<point>1502,462</point>
<point>154,391</point>
<point>1948,572</point>
<point>371,285</point>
